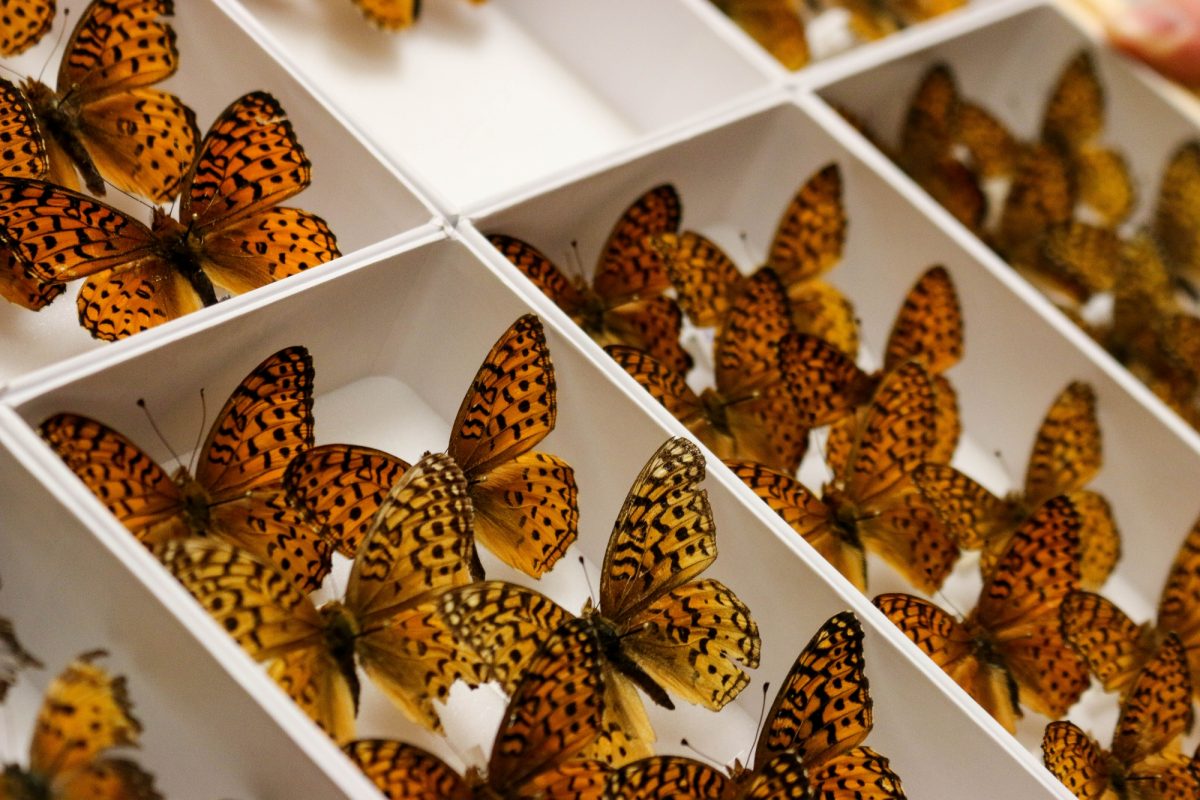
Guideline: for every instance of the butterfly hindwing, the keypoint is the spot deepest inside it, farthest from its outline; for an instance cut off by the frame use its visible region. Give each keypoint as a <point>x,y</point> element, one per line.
<point>23,23</point>
<point>404,772</point>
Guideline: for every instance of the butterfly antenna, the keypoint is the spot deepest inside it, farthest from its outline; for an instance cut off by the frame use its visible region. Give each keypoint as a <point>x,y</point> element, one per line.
<point>762,712</point>
<point>576,263</point>
<point>704,756</point>
<point>131,196</point>
<point>57,42</point>
<point>587,579</point>
<point>744,238</point>
<point>946,601</point>
<point>142,405</point>
<point>200,434</point>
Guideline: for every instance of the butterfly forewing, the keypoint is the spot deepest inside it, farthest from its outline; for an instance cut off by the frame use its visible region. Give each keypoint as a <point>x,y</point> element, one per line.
<point>669,388</point>
<point>972,515</point>
<point>1075,759</point>
<point>1176,223</point>
<point>1074,114</point>
<point>664,534</point>
<point>812,230</point>
<point>23,154</point>
<point>774,24</point>
<point>628,266</point>
<point>1109,641</point>
<point>542,271</point>
<point>824,382</point>
<point>1067,451</point>
<point>1158,707</point>
<point>1040,196</point>
<point>340,487</point>
<point>895,435</point>
<point>929,327</point>
<point>993,148</point>
<point>23,23</point>
<point>823,707</point>
<point>704,277</point>
<point>1180,599</point>
<point>665,777</point>
<point>404,772</point>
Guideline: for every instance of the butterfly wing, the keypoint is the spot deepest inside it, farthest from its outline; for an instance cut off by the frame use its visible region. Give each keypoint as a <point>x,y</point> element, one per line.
<point>1078,259</point>
<point>1157,711</point>
<point>928,130</point>
<point>115,305</point>
<point>861,774</point>
<point>812,230</point>
<point>1039,197</point>
<point>972,515</point>
<point>1019,607</point>
<point>807,514</point>
<point>390,15</point>
<point>1176,222</point>
<point>24,24</point>
<point>134,488</point>
<point>952,647</point>
<point>825,383</point>
<point>17,286</point>
<point>1075,759</point>
<point>404,772</point>
<point>819,308</point>
<point>704,277</point>
<point>929,327</point>
<point>554,713</point>
<point>1099,539</point>
<point>671,389</point>
<point>992,146</point>
<point>1103,183</point>
<point>823,708</point>
<point>1067,452</point>
<point>664,777</point>
<point>142,140</point>
<point>652,324</point>
<point>1181,597</point>
<point>542,271</point>
<point>775,24</point>
<point>339,487</point>
<point>629,267</point>
<point>23,154</point>
<point>1109,641</point>
<point>1074,113</point>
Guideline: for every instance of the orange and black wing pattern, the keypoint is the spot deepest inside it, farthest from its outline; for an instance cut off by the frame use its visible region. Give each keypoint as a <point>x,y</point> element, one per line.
<point>23,23</point>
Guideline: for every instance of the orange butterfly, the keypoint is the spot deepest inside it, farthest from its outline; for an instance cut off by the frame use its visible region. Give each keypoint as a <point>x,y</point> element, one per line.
<point>235,493</point>
<point>394,15</point>
<point>1176,223</point>
<point>85,715</point>
<point>660,629</point>
<point>103,119</point>
<point>624,303</point>
<point>775,24</point>
<point>829,388</point>
<point>526,508</point>
<point>1145,760</point>
<point>552,718</point>
<point>811,740</point>
<point>871,502</point>
<point>1115,647</point>
<point>233,232</point>
<point>23,23</point>
<point>1010,651</point>
<point>749,414</point>
<point>1066,455</point>
<point>24,156</point>
<point>386,622</point>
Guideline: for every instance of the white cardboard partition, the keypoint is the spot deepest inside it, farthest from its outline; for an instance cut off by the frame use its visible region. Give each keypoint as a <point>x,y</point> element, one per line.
<point>362,198</point>
<point>737,178</point>
<point>480,99</point>
<point>398,384</point>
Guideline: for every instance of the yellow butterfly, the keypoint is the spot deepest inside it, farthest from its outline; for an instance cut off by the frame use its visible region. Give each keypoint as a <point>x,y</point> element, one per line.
<point>386,622</point>
<point>85,716</point>
<point>661,629</point>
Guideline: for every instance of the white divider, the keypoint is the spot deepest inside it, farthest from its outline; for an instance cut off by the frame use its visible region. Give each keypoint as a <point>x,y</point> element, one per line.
<point>480,99</point>
<point>392,375</point>
<point>363,199</point>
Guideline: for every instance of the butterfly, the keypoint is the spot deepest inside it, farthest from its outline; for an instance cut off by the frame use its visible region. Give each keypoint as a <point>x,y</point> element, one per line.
<point>13,657</point>
<point>23,155</point>
<point>1072,121</point>
<point>1115,647</point>
<point>871,503</point>
<point>103,119</point>
<point>233,233</point>
<point>394,15</point>
<point>661,629</point>
<point>810,742</point>
<point>386,622</point>
<point>1145,759</point>
<point>624,302</point>
<point>928,137</point>
<point>525,501</point>
<point>1176,221</point>
<point>829,388</point>
<point>552,718</point>
<point>1076,260</point>
<point>775,24</point>
<point>23,23</point>
<point>1067,454</point>
<point>235,492</point>
<point>85,715</point>
<point>1009,651</point>
<point>749,413</point>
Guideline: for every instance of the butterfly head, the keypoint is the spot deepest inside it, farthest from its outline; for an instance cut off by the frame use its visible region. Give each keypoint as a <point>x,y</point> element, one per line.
<point>341,632</point>
<point>197,505</point>
<point>714,407</point>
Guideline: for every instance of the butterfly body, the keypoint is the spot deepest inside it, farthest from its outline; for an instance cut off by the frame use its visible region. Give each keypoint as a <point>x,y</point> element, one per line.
<point>58,117</point>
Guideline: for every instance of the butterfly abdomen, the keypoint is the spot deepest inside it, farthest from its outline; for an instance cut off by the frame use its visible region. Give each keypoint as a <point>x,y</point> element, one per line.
<point>183,249</point>
<point>197,505</point>
<point>610,639</point>
<point>341,633</point>
<point>59,121</point>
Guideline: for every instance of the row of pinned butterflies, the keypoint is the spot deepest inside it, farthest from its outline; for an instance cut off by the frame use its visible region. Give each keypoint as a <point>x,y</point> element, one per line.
<point>252,531</point>
<point>889,444</point>
<point>104,123</point>
<point>779,25</point>
<point>1063,221</point>
<point>82,728</point>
